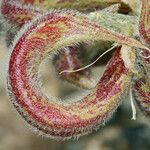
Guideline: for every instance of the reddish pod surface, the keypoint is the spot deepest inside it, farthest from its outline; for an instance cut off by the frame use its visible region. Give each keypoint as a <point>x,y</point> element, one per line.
<point>46,35</point>
<point>144,26</point>
<point>59,120</point>
<point>142,84</point>
<point>142,92</point>
<point>19,14</point>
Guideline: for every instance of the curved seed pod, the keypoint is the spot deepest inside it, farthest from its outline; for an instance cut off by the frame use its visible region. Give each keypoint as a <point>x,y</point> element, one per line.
<point>68,59</point>
<point>144,26</point>
<point>59,120</point>
<point>20,14</point>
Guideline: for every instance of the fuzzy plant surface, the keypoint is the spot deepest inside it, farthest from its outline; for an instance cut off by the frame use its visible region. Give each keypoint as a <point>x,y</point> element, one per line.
<point>43,32</point>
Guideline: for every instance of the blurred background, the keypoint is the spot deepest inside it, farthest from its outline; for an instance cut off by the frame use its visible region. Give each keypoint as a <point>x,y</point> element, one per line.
<point>120,133</point>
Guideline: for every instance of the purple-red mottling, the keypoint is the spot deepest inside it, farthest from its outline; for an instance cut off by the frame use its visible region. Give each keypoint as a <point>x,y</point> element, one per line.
<point>46,115</point>
<point>144,26</point>
<point>38,109</point>
<point>143,97</point>
<point>10,11</point>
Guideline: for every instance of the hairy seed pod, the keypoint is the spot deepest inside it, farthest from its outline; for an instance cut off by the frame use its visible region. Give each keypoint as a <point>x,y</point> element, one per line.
<point>144,26</point>
<point>45,36</point>
<point>142,84</point>
<point>19,14</point>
